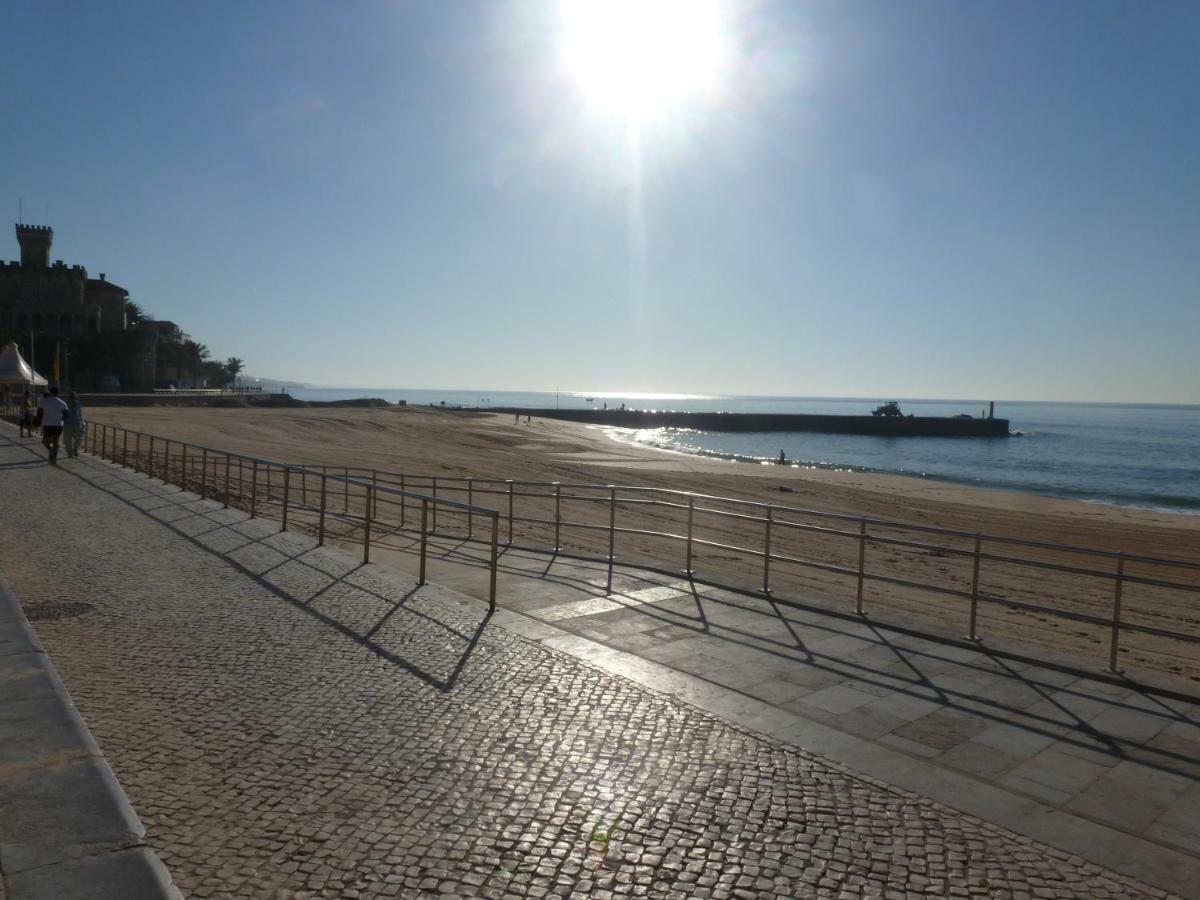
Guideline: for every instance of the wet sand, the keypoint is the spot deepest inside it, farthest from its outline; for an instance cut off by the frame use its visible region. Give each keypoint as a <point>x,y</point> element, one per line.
<point>426,442</point>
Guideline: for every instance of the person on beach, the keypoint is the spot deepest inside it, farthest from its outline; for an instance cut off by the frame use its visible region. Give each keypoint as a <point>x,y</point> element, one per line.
<point>25,421</point>
<point>54,412</point>
<point>782,459</point>
<point>73,427</point>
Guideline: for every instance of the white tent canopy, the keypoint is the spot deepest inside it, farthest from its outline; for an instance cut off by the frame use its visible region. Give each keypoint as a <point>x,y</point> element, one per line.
<point>14,369</point>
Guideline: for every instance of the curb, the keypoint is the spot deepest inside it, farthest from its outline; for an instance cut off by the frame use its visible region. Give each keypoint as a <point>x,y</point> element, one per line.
<point>67,829</point>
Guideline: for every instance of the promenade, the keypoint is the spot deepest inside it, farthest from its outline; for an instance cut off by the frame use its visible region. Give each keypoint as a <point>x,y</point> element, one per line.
<point>288,722</point>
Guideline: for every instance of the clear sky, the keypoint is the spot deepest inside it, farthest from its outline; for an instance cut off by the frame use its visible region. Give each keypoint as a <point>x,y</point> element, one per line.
<point>945,199</point>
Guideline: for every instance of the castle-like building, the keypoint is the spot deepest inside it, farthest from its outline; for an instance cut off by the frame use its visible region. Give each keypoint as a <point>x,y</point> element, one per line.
<point>40,298</point>
<point>60,309</point>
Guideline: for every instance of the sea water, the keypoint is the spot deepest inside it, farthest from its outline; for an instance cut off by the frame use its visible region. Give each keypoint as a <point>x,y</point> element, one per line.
<point>1129,454</point>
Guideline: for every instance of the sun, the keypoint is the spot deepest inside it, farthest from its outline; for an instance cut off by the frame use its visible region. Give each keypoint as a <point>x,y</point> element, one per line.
<point>639,58</point>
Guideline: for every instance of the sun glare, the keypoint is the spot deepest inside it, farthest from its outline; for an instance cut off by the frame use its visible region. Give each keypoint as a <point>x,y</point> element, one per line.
<point>638,58</point>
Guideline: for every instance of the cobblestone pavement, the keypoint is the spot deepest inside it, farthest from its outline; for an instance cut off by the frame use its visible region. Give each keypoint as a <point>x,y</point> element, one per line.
<point>1101,748</point>
<point>289,723</point>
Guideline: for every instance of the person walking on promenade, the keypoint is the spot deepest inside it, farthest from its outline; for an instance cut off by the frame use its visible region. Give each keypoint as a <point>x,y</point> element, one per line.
<point>54,411</point>
<point>25,421</point>
<point>73,427</point>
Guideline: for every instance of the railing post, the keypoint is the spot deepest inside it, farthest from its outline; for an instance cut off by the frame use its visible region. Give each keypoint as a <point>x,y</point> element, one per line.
<point>612,532</point>
<point>766,588</point>
<point>227,481</point>
<point>403,503</point>
<point>557,516</point>
<point>508,543</point>
<point>971,634</point>
<point>346,490</point>
<point>150,469</point>
<point>687,566</point>
<point>203,473</point>
<point>321,520</point>
<point>435,506</point>
<point>304,487</point>
<point>125,447</point>
<point>424,523</point>
<point>374,493</point>
<point>367,525</point>
<point>495,560</point>
<point>287,480</point>
<point>137,452</point>
<point>253,487</point>
<point>470,512</point>
<point>166,476</point>
<point>1116,620</point>
<point>862,559</point>
<point>183,468</point>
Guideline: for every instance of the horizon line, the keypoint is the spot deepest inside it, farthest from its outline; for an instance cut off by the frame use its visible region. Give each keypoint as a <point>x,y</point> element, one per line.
<point>675,395</point>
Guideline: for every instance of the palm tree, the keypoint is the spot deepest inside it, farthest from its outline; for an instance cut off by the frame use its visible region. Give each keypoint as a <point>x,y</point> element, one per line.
<point>195,354</point>
<point>133,314</point>
<point>234,367</point>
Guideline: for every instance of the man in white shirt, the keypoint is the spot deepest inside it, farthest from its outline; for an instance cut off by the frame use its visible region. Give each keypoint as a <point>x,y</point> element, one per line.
<point>53,411</point>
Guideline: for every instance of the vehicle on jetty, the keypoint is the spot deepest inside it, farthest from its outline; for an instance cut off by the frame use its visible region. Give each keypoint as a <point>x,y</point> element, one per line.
<point>891,409</point>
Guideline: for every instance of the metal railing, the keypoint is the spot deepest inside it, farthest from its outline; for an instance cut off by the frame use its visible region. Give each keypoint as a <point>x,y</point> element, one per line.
<point>270,489</point>
<point>760,545</point>
<point>790,538</point>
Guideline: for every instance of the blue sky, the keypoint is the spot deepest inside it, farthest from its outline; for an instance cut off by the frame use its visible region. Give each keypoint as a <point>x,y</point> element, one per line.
<point>936,199</point>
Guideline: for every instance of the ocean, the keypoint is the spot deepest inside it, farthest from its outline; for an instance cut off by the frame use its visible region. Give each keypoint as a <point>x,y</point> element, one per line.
<point>1141,455</point>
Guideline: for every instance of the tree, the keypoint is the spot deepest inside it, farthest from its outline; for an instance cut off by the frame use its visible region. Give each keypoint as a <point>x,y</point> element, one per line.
<point>214,373</point>
<point>234,367</point>
<point>195,354</point>
<point>134,314</point>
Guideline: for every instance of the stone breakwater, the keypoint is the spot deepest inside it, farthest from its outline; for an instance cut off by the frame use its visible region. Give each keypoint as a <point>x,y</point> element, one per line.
<point>879,426</point>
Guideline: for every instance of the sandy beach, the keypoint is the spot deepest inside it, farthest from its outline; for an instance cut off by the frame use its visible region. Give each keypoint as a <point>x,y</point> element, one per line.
<point>429,442</point>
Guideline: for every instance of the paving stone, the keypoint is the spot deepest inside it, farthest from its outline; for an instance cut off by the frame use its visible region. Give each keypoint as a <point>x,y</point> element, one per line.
<point>1055,769</point>
<point>942,729</point>
<point>867,722</point>
<point>980,759</point>
<point>1131,794</point>
<point>837,699</point>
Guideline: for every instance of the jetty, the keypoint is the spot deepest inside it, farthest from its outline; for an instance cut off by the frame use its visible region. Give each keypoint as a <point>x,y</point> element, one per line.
<point>879,426</point>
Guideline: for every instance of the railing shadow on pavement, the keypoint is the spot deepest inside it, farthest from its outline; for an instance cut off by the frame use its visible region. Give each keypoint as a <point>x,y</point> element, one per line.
<point>914,671</point>
<point>453,650</point>
<point>32,464</point>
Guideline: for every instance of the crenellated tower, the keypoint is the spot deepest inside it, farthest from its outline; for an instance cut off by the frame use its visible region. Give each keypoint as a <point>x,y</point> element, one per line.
<point>35,241</point>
